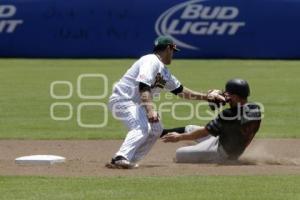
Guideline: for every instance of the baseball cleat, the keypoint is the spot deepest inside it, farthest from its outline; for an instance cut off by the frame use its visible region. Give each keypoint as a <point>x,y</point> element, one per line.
<point>120,162</point>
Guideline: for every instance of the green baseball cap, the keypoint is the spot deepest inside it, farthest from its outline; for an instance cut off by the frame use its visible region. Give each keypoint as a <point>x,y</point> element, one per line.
<point>164,41</point>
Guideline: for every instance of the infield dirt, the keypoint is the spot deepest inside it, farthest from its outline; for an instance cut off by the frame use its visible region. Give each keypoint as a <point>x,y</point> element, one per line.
<point>88,157</point>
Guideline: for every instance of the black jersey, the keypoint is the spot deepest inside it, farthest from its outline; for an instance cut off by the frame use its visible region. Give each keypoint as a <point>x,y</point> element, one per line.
<point>236,127</point>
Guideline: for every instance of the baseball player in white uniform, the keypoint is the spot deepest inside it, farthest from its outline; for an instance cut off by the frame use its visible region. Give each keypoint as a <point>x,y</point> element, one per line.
<point>131,102</point>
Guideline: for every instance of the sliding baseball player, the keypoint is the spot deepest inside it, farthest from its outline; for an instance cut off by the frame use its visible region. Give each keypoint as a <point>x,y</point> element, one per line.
<point>131,102</point>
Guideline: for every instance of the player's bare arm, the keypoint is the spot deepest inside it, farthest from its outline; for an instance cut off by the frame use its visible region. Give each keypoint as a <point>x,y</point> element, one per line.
<point>146,99</point>
<point>193,95</point>
<point>175,137</point>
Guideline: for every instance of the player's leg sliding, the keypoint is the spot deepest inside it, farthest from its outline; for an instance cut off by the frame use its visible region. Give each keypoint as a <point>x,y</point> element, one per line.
<point>205,151</point>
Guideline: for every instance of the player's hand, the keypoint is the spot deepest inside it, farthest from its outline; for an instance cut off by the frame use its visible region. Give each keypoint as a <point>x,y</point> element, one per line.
<point>171,137</point>
<point>216,99</point>
<point>215,96</point>
<point>153,117</point>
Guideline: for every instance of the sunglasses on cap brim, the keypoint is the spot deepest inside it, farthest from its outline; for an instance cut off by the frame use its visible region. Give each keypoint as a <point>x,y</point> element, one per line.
<point>174,47</point>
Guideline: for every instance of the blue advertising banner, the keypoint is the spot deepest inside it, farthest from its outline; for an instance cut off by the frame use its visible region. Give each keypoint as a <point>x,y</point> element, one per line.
<point>101,29</point>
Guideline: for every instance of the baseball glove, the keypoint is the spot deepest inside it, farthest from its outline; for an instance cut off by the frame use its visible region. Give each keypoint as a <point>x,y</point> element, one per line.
<point>216,99</point>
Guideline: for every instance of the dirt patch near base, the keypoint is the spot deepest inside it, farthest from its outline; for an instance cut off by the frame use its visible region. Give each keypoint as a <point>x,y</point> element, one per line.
<point>87,158</point>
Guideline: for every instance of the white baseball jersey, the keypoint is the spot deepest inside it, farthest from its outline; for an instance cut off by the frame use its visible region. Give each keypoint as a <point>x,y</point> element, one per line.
<point>124,104</point>
<point>148,70</point>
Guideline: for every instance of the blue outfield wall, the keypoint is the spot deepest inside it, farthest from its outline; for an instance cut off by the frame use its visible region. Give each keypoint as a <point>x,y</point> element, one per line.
<point>105,28</point>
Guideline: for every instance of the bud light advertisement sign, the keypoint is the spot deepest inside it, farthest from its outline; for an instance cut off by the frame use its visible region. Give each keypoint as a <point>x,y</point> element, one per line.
<point>194,19</point>
<point>124,29</point>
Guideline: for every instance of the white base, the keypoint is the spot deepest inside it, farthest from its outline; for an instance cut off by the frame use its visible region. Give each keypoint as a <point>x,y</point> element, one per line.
<point>40,159</point>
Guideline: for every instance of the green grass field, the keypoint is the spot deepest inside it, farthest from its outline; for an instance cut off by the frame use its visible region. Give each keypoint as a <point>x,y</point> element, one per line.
<point>26,100</point>
<point>25,114</point>
<point>149,188</point>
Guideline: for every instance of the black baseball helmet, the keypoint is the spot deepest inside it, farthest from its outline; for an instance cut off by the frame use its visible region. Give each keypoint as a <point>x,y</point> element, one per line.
<point>238,86</point>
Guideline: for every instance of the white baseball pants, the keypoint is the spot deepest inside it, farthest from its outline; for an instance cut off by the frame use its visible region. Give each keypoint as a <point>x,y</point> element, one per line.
<point>207,150</point>
<point>141,135</point>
